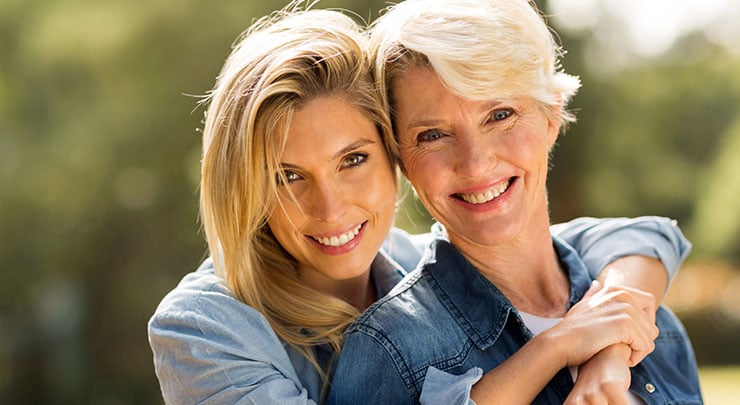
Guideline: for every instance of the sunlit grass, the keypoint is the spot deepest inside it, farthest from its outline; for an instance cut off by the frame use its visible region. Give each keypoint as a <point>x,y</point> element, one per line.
<point>720,385</point>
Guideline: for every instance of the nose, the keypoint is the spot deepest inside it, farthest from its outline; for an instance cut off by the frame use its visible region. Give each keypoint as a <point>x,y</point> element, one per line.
<point>327,201</point>
<point>474,157</point>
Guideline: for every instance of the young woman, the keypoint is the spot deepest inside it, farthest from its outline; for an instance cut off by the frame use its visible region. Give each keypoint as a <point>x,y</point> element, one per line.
<point>297,200</point>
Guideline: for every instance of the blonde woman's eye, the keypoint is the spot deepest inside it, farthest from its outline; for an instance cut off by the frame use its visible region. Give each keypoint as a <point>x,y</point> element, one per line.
<point>354,159</point>
<point>502,114</point>
<point>288,177</point>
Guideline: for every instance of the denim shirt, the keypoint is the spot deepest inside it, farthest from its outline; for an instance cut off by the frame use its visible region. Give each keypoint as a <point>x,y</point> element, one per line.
<point>210,347</point>
<point>445,324</point>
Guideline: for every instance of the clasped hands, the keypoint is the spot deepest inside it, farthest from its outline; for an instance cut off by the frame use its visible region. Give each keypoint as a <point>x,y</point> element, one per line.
<point>610,330</point>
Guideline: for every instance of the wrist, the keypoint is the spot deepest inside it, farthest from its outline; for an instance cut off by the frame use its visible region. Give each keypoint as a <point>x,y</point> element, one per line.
<point>619,352</point>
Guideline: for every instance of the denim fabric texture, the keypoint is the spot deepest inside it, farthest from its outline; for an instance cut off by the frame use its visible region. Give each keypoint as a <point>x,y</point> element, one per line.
<point>210,347</point>
<point>445,319</point>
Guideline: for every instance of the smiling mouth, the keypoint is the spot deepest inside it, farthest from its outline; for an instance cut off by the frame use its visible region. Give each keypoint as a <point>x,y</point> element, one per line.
<point>487,195</point>
<point>339,240</point>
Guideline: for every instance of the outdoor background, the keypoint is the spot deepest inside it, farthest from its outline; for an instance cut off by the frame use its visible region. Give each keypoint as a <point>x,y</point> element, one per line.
<point>99,165</point>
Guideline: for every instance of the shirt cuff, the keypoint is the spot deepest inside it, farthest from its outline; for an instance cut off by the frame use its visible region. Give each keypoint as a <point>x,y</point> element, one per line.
<point>441,387</point>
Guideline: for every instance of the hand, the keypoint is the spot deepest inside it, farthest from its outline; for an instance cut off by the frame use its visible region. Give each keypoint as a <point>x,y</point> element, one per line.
<point>605,316</point>
<point>645,301</point>
<point>604,379</point>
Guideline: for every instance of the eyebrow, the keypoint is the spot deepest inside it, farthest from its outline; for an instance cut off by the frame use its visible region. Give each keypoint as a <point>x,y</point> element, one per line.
<point>353,146</point>
<point>435,122</point>
<point>489,105</point>
<point>349,148</point>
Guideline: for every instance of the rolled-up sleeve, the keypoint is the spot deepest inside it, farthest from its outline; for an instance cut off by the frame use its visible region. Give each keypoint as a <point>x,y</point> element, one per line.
<point>443,388</point>
<point>601,241</point>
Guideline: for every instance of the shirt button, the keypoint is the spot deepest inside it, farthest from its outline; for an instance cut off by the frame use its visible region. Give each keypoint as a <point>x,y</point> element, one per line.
<point>650,388</point>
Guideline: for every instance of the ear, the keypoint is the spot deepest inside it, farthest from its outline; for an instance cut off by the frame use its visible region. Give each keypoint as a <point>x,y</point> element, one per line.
<point>553,130</point>
<point>554,122</point>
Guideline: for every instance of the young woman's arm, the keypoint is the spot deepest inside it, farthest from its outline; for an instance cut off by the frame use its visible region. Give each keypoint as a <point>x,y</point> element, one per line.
<point>601,242</point>
<point>641,253</point>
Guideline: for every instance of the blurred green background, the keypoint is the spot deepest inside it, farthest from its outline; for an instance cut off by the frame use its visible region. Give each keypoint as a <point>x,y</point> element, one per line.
<point>99,154</point>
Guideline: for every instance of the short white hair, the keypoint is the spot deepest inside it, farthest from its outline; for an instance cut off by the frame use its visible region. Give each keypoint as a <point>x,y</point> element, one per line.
<point>480,49</point>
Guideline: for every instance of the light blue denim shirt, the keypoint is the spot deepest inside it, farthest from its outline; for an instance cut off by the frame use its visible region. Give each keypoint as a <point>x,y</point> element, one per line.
<point>210,347</point>
<point>445,324</point>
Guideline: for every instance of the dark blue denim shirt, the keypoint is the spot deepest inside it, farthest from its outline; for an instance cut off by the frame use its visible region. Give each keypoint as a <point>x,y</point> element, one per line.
<point>439,329</point>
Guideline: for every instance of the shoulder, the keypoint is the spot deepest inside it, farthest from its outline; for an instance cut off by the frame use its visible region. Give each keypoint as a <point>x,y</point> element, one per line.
<point>407,301</point>
<point>202,310</point>
<point>412,302</point>
<point>195,290</point>
<point>401,335</point>
<point>407,326</point>
<point>207,344</point>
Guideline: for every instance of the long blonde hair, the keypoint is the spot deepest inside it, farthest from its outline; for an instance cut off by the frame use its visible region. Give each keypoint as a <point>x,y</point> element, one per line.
<point>279,64</point>
<point>480,49</point>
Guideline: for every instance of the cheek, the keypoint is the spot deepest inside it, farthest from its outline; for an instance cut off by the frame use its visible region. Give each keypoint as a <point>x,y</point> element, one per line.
<point>379,190</point>
<point>527,147</point>
<point>413,163</point>
<point>422,168</point>
<point>281,222</point>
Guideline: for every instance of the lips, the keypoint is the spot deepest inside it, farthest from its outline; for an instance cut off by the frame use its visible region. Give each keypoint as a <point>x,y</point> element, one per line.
<point>339,240</point>
<point>487,195</point>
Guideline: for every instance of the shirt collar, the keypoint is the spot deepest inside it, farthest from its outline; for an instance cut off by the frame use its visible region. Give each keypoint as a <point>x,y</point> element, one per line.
<point>386,272</point>
<point>480,308</point>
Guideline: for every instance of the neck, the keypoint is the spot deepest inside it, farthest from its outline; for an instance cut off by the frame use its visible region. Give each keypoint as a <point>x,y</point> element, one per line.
<point>526,270</point>
<point>360,296</point>
<point>358,291</point>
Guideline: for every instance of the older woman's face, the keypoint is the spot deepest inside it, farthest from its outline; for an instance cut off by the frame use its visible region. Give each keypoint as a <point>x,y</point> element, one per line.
<point>479,167</point>
<point>344,188</point>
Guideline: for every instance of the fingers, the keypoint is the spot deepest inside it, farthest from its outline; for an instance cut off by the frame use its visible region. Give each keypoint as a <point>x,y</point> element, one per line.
<point>635,299</point>
<point>608,316</point>
<point>635,314</point>
<point>592,290</point>
<point>637,329</point>
<point>643,299</point>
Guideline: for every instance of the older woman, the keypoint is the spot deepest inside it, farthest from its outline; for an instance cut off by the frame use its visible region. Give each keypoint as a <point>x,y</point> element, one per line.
<point>297,196</point>
<point>477,103</point>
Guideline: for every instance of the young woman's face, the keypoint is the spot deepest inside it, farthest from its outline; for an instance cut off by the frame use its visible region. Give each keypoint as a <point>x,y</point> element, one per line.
<point>479,167</point>
<point>343,193</point>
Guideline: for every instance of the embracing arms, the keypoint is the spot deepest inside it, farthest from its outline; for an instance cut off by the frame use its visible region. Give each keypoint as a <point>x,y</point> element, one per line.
<point>599,242</point>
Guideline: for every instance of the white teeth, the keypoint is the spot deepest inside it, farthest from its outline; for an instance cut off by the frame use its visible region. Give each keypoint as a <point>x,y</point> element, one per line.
<point>486,196</point>
<point>341,239</point>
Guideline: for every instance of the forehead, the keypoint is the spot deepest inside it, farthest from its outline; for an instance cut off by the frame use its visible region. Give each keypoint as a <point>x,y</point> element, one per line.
<point>418,92</point>
<point>413,79</point>
<point>324,126</point>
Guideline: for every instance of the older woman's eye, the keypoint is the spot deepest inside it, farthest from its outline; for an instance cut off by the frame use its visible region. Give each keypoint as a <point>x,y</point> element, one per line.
<point>429,136</point>
<point>354,159</point>
<point>502,114</point>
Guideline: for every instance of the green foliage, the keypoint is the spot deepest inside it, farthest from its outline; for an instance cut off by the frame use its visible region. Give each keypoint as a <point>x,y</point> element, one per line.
<point>646,143</point>
<point>716,219</point>
<point>99,168</point>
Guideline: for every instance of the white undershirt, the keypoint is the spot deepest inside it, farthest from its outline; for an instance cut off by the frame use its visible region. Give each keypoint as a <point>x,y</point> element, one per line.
<point>537,325</point>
